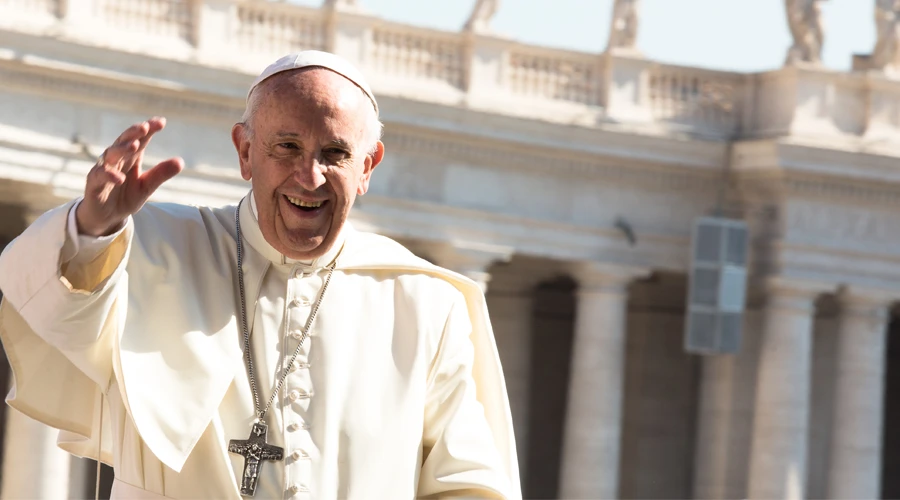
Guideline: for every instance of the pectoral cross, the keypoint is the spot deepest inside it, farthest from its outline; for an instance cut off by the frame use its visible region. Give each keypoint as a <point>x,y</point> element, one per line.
<point>254,450</point>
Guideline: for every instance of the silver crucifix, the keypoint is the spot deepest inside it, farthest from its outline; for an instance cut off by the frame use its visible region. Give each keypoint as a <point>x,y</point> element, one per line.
<point>254,450</point>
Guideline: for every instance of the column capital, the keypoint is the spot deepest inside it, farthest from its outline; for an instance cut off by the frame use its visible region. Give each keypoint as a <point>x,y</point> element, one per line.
<point>470,259</point>
<point>605,276</point>
<point>791,293</point>
<point>510,279</point>
<point>863,301</point>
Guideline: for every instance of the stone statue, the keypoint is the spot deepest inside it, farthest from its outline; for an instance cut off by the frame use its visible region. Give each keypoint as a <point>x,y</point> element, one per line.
<point>341,4</point>
<point>624,29</point>
<point>805,22</point>
<point>886,54</point>
<point>482,14</point>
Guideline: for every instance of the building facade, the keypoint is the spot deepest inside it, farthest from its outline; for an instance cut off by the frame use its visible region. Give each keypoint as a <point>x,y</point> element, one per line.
<point>567,184</point>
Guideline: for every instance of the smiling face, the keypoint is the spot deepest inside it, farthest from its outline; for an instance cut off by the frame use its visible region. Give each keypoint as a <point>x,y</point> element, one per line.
<point>307,155</point>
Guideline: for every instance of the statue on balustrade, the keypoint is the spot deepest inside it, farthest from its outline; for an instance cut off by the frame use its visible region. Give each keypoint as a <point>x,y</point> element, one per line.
<point>805,22</point>
<point>624,28</point>
<point>482,14</point>
<point>886,55</point>
<point>341,4</point>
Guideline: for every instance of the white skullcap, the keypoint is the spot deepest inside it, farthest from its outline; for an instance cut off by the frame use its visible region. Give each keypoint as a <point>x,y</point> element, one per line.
<point>313,59</point>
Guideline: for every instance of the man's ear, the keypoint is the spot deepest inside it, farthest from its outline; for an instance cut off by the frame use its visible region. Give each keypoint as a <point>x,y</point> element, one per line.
<point>242,146</point>
<point>372,161</point>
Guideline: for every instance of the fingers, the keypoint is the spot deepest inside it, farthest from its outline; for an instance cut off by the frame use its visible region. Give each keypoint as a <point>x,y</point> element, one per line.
<point>104,173</point>
<point>152,179</point>
<point>153,126</point>
<point>127,150</point>
<point>115,155</point>
<point>139,130</point>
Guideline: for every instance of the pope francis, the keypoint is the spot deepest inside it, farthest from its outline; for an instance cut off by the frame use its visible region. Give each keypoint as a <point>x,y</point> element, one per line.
<point>265,349</point>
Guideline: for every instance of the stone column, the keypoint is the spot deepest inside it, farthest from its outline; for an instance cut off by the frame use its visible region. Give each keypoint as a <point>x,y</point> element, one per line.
<point>590,458</point>
<point>714,424</point>
<point>725,417</point>
<point>855,458</point>
<point>511,307</point>
<point>781,415</point>
<point>33,466</point>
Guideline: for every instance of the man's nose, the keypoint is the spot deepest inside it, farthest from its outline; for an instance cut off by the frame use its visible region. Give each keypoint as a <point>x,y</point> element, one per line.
<point>310,174</point>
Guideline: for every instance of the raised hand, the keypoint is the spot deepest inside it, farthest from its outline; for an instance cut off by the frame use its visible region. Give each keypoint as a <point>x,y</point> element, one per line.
<point>116,187</point>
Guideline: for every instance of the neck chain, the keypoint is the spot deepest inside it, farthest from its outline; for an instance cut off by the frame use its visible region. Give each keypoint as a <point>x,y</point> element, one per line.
<point>261,412</point>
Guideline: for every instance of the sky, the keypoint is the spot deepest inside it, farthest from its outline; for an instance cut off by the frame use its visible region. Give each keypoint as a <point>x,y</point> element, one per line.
<point>733,35</point>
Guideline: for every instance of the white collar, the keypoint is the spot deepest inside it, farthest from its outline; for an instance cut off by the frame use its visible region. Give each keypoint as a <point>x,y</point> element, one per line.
<point>254,237</point>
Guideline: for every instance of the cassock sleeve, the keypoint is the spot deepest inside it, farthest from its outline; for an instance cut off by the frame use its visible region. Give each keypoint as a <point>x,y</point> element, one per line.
<point>58,323</point>
<point>460,455</point>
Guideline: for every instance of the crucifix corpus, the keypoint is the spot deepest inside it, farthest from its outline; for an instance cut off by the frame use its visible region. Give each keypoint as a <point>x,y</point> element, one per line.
<point>254,450</point>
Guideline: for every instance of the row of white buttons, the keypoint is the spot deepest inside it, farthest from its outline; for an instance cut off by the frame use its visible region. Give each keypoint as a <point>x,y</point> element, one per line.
<point>297,365</point>
<point>296,488</point>
<point>299,394</point>
<point>299,454</point>
<point>297,426</point>
<point>302,301</point>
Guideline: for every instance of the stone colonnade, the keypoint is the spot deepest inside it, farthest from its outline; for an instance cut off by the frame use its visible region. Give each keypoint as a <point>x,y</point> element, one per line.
<point>776,467</point>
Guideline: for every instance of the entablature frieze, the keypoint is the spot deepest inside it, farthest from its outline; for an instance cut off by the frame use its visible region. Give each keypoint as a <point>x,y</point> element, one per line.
<point>117,91</point>
<point>514,157</point>
<point>776,171</point>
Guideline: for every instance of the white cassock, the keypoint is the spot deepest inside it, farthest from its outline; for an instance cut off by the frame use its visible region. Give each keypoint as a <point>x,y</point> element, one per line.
<point>136,356</point>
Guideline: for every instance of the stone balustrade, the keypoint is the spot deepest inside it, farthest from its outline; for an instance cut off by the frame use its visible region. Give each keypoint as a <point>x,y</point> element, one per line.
<point>708,100</point>
<point>268,29</point>
<point>485,72</point>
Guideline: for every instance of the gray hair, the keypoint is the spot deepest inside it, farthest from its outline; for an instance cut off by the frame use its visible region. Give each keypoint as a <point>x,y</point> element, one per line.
<point>373,133</point>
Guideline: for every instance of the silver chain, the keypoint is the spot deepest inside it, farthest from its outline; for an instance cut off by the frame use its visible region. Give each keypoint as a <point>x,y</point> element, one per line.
<point>261,414</point>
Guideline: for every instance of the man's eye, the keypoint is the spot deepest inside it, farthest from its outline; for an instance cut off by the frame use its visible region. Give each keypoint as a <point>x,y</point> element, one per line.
<point>288,145</point>
<point>336,153</point>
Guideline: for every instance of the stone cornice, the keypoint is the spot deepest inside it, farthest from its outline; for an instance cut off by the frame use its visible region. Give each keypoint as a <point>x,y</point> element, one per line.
<point>840,268</point>
<point>779,171</point>
<point>777,187</point>
<point>637,144</point>
<point>429,221</point>
<point>513,156</point>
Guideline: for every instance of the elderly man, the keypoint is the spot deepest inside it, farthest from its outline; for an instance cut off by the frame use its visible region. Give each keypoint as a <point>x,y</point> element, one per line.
<point>266,349</point>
